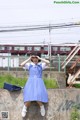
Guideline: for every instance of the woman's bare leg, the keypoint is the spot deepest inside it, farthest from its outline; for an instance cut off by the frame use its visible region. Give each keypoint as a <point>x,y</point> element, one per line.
<point>42,109</point>
<point>24,110</point>
<point>39,103</point>
<point>27,104</point>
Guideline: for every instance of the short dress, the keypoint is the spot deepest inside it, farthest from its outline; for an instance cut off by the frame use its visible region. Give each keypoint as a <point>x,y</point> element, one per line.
<point>35,89</point>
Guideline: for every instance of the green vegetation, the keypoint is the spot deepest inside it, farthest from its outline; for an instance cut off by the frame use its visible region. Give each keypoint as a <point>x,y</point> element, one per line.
<point>77,85</point>
<point>75,114</point>
<point>49,83</point>
<point>12,80</point>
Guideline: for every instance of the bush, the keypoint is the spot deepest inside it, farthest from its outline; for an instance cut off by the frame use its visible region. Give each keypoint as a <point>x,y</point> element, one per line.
<point>49,83</point>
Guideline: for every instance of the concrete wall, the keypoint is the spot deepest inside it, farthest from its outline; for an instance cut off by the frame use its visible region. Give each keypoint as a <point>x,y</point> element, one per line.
<point>58,108</point>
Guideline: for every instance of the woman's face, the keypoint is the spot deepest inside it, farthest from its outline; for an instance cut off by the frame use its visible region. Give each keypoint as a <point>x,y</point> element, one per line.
<point>34,59</point>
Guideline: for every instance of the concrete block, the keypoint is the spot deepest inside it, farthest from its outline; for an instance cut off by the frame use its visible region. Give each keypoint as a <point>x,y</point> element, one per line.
<point>59,106</point>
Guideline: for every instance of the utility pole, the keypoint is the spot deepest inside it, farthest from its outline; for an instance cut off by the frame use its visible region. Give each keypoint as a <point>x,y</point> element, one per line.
<point>49,46</point>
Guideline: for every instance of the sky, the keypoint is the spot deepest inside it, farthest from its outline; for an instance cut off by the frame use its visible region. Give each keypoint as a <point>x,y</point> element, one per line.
<point>39,12</point>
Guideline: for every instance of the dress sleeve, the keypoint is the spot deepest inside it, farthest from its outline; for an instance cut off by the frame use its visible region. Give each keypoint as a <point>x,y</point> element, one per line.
<point>26,66</point>
<point>43,65</point>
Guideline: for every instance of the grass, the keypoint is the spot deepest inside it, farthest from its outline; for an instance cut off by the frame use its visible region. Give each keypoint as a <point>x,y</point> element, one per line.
<point>77,85</point>
<point>75,114</point>
<point>49,83</point>
<point>12,80</point>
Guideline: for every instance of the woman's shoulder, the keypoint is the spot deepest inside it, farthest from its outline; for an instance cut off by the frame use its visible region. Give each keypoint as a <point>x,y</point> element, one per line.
<point>30,63</point>
<point>42,64</point>
<point>27,65</point>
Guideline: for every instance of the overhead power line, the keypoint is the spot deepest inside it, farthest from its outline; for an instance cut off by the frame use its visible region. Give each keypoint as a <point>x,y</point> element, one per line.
<point>38,27</point>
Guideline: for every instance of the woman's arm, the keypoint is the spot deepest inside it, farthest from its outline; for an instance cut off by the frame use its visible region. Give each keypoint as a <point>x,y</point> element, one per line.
<point>23,63</point>
<point>44,60</point>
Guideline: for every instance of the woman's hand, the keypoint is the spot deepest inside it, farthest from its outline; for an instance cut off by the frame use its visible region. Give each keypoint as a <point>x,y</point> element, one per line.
<point>38,57</point>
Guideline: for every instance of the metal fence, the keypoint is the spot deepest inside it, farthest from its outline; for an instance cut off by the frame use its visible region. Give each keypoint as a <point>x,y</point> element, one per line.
<point>11,62</point>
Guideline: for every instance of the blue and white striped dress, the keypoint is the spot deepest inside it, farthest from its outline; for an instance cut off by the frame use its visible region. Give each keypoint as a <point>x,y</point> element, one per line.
<point>34,89</point>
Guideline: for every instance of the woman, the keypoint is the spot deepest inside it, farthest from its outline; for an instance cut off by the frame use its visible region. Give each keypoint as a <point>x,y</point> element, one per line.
<point>34,89</point>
